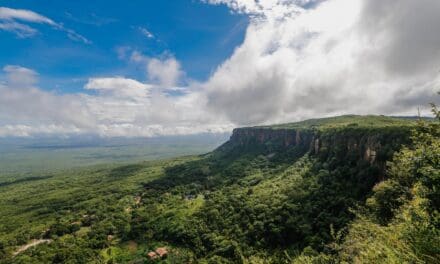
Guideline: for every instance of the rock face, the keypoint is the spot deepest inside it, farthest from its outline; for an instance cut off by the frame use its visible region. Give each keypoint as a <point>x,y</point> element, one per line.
<point>368,144</point>
<point>283,138</point>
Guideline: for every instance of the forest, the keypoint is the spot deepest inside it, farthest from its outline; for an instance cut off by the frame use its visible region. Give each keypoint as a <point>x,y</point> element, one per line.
<point>350,189</point>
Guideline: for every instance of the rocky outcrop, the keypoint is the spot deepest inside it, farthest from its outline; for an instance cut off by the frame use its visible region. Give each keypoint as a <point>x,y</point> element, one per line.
<point>283,138</point>
<point>371,145</point>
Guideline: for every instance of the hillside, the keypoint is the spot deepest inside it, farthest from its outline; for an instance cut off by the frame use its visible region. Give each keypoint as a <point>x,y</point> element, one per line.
<point>317,191</point>
<point>368,121</point>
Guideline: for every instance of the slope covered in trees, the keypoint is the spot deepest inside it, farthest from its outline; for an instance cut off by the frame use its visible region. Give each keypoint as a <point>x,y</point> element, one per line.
<point>345,189</point>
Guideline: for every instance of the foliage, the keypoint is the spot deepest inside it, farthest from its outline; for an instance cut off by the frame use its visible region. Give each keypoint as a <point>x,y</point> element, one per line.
<point>402,222</point>
<point>242,204</point>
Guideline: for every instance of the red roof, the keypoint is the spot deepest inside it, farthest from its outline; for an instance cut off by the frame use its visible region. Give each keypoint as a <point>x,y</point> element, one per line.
<point>152,255</point>
<point>162,251</point>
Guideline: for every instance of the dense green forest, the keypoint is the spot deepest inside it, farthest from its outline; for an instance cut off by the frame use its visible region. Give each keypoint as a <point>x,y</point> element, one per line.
<point>352,189</point>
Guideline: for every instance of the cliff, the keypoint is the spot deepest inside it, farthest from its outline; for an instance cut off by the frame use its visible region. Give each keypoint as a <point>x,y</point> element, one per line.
<point>369,138</point>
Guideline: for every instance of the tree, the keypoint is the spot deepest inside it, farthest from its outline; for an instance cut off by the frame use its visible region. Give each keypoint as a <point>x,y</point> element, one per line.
<point>403,224</point>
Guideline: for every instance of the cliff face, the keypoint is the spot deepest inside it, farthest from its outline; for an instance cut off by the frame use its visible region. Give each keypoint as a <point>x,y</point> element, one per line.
<point>283,138</point>
<point>371,145</point>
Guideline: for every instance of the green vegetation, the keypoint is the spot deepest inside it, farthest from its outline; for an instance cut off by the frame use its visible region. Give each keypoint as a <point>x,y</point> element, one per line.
<point>365,194</point>
<point>26,157</point>
<point>369,121</point>
<point>401,221</point>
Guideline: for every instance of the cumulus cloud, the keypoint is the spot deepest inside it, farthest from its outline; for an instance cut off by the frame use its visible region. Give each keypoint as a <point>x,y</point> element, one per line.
<point>165,72</point>
<point>117,106</point>
<point>407,35</point>
<point>299,59</point>
<point>13,20</point>
<point>342,56</point>
<point>22,103</point>
<point>264,8</point>
<point>20,76</point>
<point>119,87</point>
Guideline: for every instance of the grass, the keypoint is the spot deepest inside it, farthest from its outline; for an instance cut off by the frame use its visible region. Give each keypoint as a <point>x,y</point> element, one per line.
<point>368,121</point>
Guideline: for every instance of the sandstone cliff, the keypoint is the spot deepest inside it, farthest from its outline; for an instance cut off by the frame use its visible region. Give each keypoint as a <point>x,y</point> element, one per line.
<point>374,145</point>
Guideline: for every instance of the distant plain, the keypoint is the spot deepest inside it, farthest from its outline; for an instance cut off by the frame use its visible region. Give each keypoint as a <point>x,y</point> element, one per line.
<point>24,157</point>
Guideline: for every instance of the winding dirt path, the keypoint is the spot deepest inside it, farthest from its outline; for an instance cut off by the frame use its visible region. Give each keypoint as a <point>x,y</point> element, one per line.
<point>33,243</point>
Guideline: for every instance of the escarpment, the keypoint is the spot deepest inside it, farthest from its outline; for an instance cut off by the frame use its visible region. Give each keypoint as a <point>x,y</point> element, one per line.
<point>278,138</point>
<point>354,143</point>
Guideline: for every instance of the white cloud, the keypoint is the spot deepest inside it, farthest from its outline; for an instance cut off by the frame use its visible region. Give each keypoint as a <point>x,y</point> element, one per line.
<point>12,20</point>
<point>266,9</point>
<point>165,72</point>
<point>120,107</point>
<point>24,15</point>
<point>119,87</point>
<point>22,103</point>
<point>146,32</point>
<point>27,131</point>
<point>138,57</point>
<point>18,75</point>
<point>21,30</point>
<point>338,57</point>
<point>122,52</point>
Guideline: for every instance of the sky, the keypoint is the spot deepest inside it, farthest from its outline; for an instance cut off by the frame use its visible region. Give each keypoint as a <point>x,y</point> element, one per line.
<point>150,68</point>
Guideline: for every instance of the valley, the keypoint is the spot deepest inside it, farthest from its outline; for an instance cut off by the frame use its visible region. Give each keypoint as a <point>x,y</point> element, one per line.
<point>350,189</point>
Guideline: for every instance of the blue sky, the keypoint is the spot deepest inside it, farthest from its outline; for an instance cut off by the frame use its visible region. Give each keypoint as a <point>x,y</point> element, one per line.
<point>198,35</point>
<point>147,68</point>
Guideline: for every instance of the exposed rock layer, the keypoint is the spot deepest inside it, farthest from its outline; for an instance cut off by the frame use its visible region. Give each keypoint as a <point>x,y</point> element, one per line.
<point>363,143</point>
